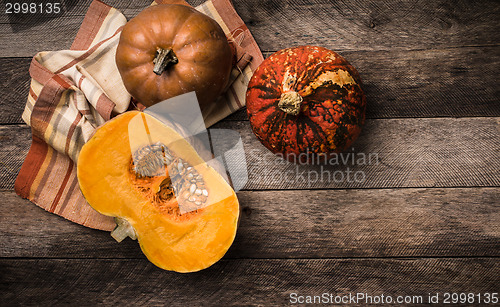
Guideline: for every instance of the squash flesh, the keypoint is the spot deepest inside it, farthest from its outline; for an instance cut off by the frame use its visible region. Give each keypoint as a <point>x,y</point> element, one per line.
<point>183,243</point>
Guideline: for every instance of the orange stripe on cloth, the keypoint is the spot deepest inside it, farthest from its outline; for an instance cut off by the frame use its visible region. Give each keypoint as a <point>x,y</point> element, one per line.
<point>80,81</point>
<point>91,24</point>
<point>55,202</point>
<point>71,204</point>
<point>41,181</point>
<point>71,188</point>
<point>105,107</point>
<point>243,61</point>
<point>234,23</point>
<point>71,130</point>
<point>88,52</point>
<point>31,167</point>
<point>32,94</point>
<point>39,72</point>
<point>62,80</point>
<point>46,103</point>
<point>235,96</point>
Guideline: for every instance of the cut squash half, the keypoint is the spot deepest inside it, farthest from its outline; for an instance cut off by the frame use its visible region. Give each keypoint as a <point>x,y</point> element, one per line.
<point>183,212</point>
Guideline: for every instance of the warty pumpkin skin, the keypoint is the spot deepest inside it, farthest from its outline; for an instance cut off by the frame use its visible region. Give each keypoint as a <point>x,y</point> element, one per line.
<point>196,55</point>
<point>306,103</point>
<point>179,242</point>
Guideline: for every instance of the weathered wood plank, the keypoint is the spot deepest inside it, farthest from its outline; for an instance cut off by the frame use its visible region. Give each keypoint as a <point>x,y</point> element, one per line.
<point>426,83</point>
<point>295,224</point>
<point>67,8</point>
<point>32,33</point>
<point>14,86</point>
<point>30,231</point>
<point>75,9</point>
<point>360,25</point>
<point>390,153</point>
<point>15,142</point>
<point>371,24</point>
<point>438,152</point>
<point>238,282</point>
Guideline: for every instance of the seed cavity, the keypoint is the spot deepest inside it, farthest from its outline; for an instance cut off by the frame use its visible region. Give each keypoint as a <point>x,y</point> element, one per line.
<point>184,183</point>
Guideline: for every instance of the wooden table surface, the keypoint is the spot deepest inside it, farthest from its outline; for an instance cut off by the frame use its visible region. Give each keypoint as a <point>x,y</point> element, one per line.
<point>426,219</point>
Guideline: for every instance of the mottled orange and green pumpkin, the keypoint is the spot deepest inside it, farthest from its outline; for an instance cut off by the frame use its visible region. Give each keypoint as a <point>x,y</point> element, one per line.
<point>306,102</point>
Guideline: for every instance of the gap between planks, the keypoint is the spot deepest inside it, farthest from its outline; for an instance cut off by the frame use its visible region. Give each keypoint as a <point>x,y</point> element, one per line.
<point>411,84</point>
<point>408,153</point>
<point>278,24</point>
<point>399,223</point>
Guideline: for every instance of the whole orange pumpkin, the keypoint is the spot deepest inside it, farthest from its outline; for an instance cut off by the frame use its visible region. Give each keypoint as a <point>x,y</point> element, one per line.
<point>171,49</point>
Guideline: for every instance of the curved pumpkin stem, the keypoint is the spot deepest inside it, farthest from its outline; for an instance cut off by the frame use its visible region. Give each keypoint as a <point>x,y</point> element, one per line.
<point>290,102</point>
<point>162,58</point>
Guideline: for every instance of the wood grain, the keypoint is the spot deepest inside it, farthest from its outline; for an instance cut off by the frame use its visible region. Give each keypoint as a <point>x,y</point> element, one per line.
<point>29,231</point>
<point>14,86</point>
<point>424,220</point>
<point>339,25</point>
<point>425,83</point>
<point>371,25</point>
<point>378,223</point>
<point>75,9</point>
<point>32,33</point>
<point>428,83</point>
<point>86,282</point>
<point>15,142</point>
<point>438,152</point>
<point>67,8</point>
<point>390,153</point>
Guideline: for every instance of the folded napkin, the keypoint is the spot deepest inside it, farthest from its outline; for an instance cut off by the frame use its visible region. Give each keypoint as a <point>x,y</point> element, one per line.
<point>74,91</point>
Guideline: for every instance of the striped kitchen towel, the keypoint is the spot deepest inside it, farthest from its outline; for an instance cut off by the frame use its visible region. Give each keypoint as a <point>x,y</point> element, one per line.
<point>74,91</point>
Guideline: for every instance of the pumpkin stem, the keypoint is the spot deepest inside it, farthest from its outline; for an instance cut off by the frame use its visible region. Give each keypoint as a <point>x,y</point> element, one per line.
<point>122,230</point>
<point>290,102</point>
<point>162,58</point>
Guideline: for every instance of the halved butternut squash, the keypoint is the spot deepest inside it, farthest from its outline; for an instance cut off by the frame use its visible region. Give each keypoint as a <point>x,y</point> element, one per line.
<point>120,175</point>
